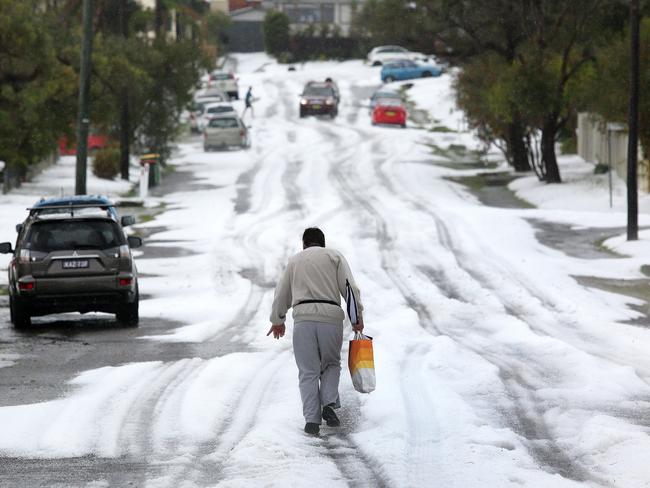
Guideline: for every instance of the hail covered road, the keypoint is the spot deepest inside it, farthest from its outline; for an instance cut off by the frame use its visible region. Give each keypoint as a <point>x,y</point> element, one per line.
<point>494,367</point>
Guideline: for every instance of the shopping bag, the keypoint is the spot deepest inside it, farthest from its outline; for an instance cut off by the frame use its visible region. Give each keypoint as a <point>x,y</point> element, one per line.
<point>362,363</point>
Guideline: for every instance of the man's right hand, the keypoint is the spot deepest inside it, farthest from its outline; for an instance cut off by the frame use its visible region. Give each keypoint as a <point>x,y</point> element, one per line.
<point>277,330</point>
<point>358,327</point>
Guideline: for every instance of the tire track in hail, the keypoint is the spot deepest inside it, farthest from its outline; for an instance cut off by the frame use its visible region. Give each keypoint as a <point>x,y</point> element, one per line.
<point>345,452</point>
<point>532,427</point>
<point>236,426</point>
<point>541,443</point>
<point>210,458</point>
<point>354,466</point>
<point>419,449</point>
<point>260,285</point>
<point>144,406</point>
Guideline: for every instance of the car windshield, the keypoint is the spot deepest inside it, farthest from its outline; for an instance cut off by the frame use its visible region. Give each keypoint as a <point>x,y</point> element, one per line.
<point>389,102</point>
<point>392,49</point>
<point>72,235</point>
<point>377,95</point>
<point>219,109</point>
<point>221,76</point>
<point>318,91</point>
<point>223,123</point>
<point>210,94</point>
<point>200,105</point>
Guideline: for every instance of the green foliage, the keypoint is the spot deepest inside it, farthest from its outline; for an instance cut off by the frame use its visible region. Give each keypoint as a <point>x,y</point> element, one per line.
<point>106,163</point>
<point>276,32</point>
<point>378,20</point>
<point>39,65</point>
<point>607,88</point>
<point>527,66</point>
<point>173,69</point>
<point>216,25</point>
<point>37,92</point>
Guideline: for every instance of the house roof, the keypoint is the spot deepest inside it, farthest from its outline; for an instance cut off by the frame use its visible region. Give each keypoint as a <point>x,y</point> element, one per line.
<point>247,14</point>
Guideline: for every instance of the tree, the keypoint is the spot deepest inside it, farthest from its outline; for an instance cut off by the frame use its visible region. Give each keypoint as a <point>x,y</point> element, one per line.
<point>489,96</point>
<point>546,47</point>
<point>37,93</point>
<point>607,89</point>
<point>276,32</point>
<point>486,36</point>
<point>375,24</point>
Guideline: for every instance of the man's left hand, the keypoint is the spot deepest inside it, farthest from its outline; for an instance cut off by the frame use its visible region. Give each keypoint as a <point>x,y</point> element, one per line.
<point>278,330</point>
<point>358,327</point>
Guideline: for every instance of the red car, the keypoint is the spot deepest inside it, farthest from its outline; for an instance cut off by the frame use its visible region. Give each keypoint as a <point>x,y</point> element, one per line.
<point>95,141</point>
<point>389,111</point>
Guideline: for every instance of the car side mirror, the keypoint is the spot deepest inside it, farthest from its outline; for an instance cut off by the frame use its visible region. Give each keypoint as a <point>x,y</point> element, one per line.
<point>128,220</point>
<point>5,248</point>
<point>134,242</point>
<point>19,227</point>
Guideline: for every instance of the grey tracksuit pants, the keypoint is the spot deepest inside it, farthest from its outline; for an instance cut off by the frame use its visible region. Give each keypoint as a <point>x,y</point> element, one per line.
<point>317,348</point>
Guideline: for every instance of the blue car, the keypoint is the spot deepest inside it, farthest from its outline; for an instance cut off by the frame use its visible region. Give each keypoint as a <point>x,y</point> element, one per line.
<point>406,70</point>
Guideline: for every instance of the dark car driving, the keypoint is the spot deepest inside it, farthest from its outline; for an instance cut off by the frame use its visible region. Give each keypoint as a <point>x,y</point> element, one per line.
<point>72,255</point>
<point>319,99</point>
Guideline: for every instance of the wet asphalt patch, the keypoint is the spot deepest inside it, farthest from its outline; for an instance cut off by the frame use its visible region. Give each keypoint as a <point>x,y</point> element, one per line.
<point>577,242</point>
<point>492,189</point>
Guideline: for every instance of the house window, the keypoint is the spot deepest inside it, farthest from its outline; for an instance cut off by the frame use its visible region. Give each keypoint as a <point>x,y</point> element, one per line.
<point>327,12</point>
<point>307,14</point>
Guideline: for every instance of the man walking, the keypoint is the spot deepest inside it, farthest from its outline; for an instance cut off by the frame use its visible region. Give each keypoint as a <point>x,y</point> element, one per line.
<point>312,284</point>
<point>248,102</point>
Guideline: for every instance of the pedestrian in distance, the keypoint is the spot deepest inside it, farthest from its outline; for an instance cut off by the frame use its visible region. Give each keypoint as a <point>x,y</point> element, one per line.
<point>312,284</point>
<point>248,103</point>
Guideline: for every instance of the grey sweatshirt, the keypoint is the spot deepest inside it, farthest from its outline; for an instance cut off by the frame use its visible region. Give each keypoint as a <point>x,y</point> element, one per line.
<point>316,273</point>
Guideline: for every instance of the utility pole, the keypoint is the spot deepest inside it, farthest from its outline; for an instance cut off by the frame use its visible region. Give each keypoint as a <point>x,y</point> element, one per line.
<point>633,126</point>
<point>83,116</point>
<point>125,118</point>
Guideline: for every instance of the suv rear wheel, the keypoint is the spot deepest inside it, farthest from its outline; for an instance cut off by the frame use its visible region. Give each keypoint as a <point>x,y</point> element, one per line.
<point>19,315</point>
<point>128,314</point>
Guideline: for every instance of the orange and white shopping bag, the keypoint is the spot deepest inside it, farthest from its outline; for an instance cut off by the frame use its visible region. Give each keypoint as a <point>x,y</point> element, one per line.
<point>361,363</point>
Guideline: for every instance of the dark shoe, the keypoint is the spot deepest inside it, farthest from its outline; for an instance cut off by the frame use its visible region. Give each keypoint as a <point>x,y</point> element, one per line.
<point>329,416</point>
<point>312,428</point>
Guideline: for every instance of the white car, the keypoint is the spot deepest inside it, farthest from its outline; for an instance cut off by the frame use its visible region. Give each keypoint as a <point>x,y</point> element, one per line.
<point>210,93</point>
<point>226,82</point>
<point>212,110</point>
<point>381,54</point>
<point>224,131</point>
<point>197,110</point>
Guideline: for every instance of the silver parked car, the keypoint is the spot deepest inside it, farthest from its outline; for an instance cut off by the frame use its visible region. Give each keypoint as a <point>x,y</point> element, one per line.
<point>223,131</point>
<point>213,110</point>
<point>226,82</point>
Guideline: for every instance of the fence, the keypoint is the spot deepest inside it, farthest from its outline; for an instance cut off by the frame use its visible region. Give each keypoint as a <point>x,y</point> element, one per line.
<point>593,133</point>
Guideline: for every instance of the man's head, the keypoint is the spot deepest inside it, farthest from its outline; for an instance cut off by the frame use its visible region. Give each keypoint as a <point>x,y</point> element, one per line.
<point>313,236</point>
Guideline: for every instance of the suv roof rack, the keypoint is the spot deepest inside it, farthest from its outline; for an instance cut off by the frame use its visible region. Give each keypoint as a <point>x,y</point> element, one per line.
<point>71,207</point>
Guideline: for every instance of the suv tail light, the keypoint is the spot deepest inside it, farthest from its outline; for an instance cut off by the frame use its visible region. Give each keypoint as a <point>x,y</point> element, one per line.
<point>125,281</point>
<point>24,256</point>
<point>242,132</point>
<point>30,285</point>
<point>125,252</point>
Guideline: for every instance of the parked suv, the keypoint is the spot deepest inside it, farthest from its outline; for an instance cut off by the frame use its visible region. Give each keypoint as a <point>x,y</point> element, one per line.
<point>226,82</point>
<point>72,255</point>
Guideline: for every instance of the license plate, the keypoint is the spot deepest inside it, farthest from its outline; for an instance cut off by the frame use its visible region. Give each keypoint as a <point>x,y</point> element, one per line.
<point>391,114</point>
<point>316,106</point>
<point>75,264</point>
